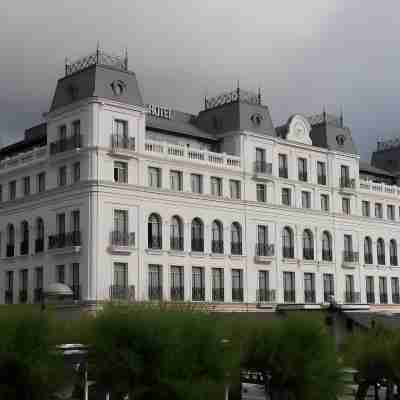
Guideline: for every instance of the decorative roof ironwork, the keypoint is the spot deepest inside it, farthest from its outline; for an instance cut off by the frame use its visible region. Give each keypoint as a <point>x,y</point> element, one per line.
<point>232,97</point>
<point>99,57</point>
<point>388,144</point>
<point>327,118</point>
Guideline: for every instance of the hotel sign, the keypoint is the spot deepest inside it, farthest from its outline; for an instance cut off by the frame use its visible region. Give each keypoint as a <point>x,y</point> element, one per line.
<point>160,111</point>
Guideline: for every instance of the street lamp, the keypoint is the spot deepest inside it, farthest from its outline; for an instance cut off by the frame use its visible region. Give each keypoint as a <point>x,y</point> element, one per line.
<point>225,342</point>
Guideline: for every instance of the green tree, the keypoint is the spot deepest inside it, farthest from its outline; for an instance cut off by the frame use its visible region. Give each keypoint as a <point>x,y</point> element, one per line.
<point>30,369</point>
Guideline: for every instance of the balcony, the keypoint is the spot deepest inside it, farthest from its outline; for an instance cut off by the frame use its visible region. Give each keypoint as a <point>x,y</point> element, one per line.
<point>394,261</point>
<point>368,258</point>
<point>9,296</point>
<point>218,294</point>
<point>10,250</point>
<point>326,255</point>
<point>350,259</point>
<point>288,252</point>
<point>262,170</point>
<point>309,296</point>
<point>122,242</point>
<point>289,296</point>
<point>198,245</point>
<point>177,293</point>
<point>122,145</point>
<point>155,293</point>
<point>65,242</point>
<point>381,260</point>
<point>370,297</point>
<point>217,246</point>
<point>38,295</point>
<point>308,253</point>
<point>176,243</point>
<point>352,297</point>
<point>347,183</point>
<point>236,248</point>
<point>283,173</point>
<point>265,296</point>
<point>39,245</point>
<point>23,296</point>
<point>122,292</point>
<point>237,294</point>
<point>264,252</point>
<point>176,152</point>
<point>24,248</point>
<point>155,243</point>
<point>63,145</point>
<point>328,296</point>
<point>383,298</point>
<point>395,298</point>
<point>198,293</point>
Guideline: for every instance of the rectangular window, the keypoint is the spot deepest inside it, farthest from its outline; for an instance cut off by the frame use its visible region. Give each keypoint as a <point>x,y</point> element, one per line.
<point>62,132</point>
<point>39,278</point>
<point>198,289</point>
<point>120,275</point>
<point>321,173</point>
<point>325,202</point>
<point>120,172</point>
<point>60,222</point>
<point>348,244</point>
<point>289,287</point>
<point>378,210</point>
<point>395,290</point>
<point>76,171</point>
<point>261,192</point>
<point>121,221</point>
<point>264,294</point>
<point>350,296</point>
<point>74,277</point>
<point>262,234</point>
<point>24,279</point>
<point>216,186</point>
<point>75,221</point>
<point>302,169</point>
<point>41,182</point>
<point>260,161</point>
<point>155,282</point>
<point>12,190</point>
<point>309,287</point>
<point>237,285</point>
<point>390,212</point>
<point>383,297</point>
<point>76,128</point>
<point>283,166</point>
<point>346,205</point>
<point>329,288</point>
<point>176,180</point>
<point>9,296</point>
<point>121,128</point>
<point>26,185</point>
<point>305,199</point>
<point>177,283</point>
<point>62,176</point>
<point>286,197</point>
<point>196,183</point>
<point>234,187</point>
<point>369,289</point>
<point>154,177</point>
<point>218,284</point>
<point>365,208</point>
<point>60,273</point>
<point>345,176</point>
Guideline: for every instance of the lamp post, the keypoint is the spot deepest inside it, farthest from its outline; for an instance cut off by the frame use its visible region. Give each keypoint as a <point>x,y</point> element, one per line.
<point>225,343</point>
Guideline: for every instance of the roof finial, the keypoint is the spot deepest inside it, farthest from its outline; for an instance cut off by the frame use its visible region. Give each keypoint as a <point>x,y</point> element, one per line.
<point>341,116</point>
<point>324,114</point>
<point>238,90</point>
<point>205,102</point>
<point>97,52</point>
<point>126,58</point>
<point>259,95</point>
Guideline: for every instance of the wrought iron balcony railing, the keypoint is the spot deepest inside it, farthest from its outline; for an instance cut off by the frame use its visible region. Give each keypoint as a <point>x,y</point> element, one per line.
<point>198,293</point>
<point>155,292</point>
<point>265,250</point>
<point>155,242</point>
<point>308,254</point>
<point>303,176</point>
<point>76,292</point>
<point>309,296</point>
<point>237,294</point>
<point>393,261</point>
<point>370,297</point>
<point>352,297</point>
<point>37,295</point>
<point>198,245</point>
<point>381,260</point>
<point>177,293</point>
<point>288,252</point>
<point>24,247</point>
<point>289,296</point>
<point>218,294</point>
<point>326,255</point>
<point>265,296</point>
<point>262,167</point>
<point>217,246</point>
<point>39,245</point>
<point>347,183</point>
<point>177,243</point>
<point>121,142</point>
<point>368,258</point>
<point>283,173</point>
<point>383,298</point>
<point>23,296</point>
<point>9,296</point>
<point>122,292</point>
<point>123,239</point>
<point>236,248</point>
<point>350,257</point>
<point>10,252</point>
<point>65,240</point>
<point>62,145</point>
<point>328,296</point>
<point>396,298</point>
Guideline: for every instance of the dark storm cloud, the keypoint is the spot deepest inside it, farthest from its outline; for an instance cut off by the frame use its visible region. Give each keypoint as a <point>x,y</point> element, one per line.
<point>302,54</point>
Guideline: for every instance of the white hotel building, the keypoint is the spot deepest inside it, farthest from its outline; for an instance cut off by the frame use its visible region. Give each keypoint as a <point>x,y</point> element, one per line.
<point>123,200</point>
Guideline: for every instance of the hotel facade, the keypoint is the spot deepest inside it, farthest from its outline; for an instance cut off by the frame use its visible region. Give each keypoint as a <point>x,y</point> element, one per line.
<point>123,200</point>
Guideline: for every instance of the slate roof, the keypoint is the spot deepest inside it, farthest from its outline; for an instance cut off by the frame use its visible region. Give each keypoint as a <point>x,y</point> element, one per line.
<point>370,169</point>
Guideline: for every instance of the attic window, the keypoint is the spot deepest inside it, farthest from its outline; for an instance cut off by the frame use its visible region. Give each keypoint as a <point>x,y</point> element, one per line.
<point>118,87</point>
<point>340,139</point>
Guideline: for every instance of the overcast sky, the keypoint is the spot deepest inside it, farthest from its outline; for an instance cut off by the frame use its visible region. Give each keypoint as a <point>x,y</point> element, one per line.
<point>303,55</point>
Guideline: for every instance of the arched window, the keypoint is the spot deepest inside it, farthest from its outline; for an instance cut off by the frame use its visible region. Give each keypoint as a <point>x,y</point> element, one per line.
<point>393,252</point>
<point>380,251</point>
<point>176,239</point>
<point>10,240</point>
<point>217,239</point>
<point>236,238</point>
<point>367,250</point>
<point>287,243</point>
<point>24,237</point>
<point>39,242</point>
<point>197,235</point>
<point>154,228</point>
<point>308,245</point>
<point>326,246</point>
